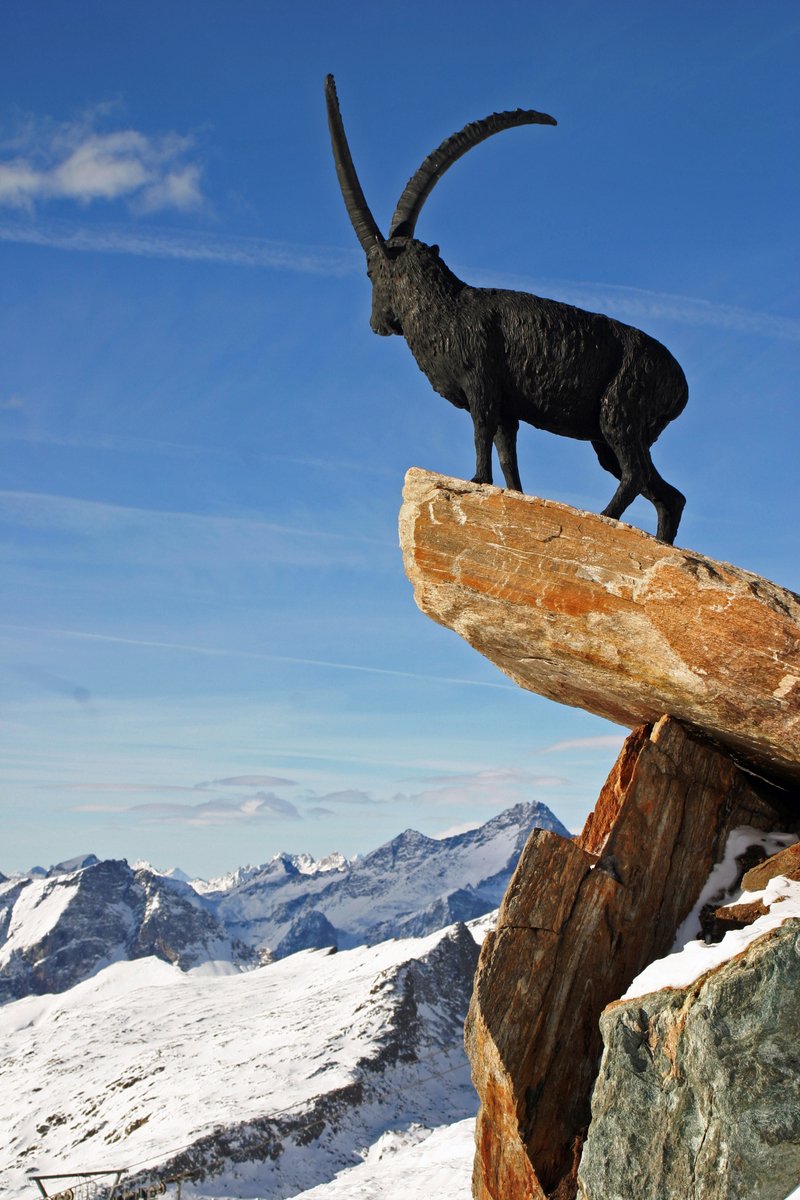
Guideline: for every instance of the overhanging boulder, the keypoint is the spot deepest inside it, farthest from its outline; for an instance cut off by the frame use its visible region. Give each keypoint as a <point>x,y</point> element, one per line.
<point>598,615</point>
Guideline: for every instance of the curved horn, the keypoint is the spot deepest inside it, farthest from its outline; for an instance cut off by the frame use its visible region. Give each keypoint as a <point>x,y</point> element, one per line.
<point>419,186</point>
<point>361,218</point>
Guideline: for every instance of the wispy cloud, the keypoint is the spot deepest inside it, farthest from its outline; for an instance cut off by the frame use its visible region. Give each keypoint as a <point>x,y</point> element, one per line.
<point>187,245</point>
<point>154,536</point>
<point>621,300</point>
<point>79,161</point>
<point>261,806</point>
<point>129,444</point>
<point>113,788</point>
<point>249,781</point>
<point>495,787</point>
<point>640,304</point>
<point>602,742</point>
<point>99,808</point>
<point>492,777</point>
<point>346,796</point>
<point>221,652</point>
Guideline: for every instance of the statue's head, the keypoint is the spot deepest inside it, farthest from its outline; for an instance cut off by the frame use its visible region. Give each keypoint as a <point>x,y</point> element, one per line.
<point>397,269</point>
<point>393,259</point>
<point>384,319</point>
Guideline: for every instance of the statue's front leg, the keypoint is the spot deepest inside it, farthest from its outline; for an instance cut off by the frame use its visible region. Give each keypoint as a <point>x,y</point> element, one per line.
<point>484,421</point>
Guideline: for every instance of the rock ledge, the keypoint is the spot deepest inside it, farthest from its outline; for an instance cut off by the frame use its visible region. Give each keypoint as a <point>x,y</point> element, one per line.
<point>598,615</point>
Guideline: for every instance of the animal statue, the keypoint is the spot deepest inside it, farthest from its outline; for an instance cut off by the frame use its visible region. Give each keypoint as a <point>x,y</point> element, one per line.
<point>508,356</point>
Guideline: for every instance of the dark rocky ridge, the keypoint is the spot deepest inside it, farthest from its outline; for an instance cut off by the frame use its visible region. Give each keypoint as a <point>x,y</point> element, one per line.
<point>106,911</point>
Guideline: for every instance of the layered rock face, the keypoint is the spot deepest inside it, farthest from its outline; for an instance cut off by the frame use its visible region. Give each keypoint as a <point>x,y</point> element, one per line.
<point>579,921</point>
<point>704,659</point>
<point>601,616</point>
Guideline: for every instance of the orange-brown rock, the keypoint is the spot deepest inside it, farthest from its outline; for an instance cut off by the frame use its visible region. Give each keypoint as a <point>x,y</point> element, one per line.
<point>785,862</point>
<point>578,922</point>
<point>599,615</point>
<point>739,915</point>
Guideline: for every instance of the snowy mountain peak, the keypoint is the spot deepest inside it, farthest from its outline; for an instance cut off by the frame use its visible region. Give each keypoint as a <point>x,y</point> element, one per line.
<point>73,864</point>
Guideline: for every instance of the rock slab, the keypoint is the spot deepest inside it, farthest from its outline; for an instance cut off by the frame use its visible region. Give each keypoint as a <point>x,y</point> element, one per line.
<point>699,1089</point>
<point>598,615</point>
<point>577,924</point>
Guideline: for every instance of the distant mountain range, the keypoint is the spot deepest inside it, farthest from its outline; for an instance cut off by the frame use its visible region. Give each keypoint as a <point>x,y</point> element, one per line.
<point>64,925</point>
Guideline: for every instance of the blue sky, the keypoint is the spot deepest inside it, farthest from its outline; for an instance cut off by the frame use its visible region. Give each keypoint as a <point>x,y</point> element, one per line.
<point>210,651</point>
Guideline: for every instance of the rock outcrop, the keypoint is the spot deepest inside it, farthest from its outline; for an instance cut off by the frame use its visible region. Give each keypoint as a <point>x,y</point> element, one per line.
<point>699,1089</point>
<point>599,615</point>
<point>579,921</point>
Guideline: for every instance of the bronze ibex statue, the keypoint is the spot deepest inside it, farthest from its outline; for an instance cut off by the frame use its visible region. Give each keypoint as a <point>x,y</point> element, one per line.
<point>507,356</point>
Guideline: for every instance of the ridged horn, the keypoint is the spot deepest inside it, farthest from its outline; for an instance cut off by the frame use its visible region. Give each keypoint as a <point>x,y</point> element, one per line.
<point>361,218</point>
<point>420,184</point>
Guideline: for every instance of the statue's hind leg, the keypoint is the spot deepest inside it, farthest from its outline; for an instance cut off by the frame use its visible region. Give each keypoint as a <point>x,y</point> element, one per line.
<point>623,442</point>
<point>668,502</point>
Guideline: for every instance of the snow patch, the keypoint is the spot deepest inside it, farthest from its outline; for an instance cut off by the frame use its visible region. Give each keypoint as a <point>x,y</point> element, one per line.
<point>691,957</point>
<point>36,912</point>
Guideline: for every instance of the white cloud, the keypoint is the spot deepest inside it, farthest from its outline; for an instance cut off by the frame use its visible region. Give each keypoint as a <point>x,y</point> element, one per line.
<point>263,805</point>
<point>98,808</point>
<point>78,162</point>
<point>492,777</point>
<point>346,796</point>
<point>497,787</point>
<point>249,781</point>
<point>604,741</point>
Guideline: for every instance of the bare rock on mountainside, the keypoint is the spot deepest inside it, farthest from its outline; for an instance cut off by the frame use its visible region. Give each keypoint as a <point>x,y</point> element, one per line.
<point>699,1089</point>
<point>599,615</point>
<point>786,863</point>
<point>578,922</point>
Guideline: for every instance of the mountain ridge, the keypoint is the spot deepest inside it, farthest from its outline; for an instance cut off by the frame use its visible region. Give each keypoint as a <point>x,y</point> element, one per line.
<point>62,928</point>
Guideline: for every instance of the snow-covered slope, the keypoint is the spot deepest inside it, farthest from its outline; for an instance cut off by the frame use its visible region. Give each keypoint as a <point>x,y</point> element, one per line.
<point>267,1082</point>
<point>62,928</point>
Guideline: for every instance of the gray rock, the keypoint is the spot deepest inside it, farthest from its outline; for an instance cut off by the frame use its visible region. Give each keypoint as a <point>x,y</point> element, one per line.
<point>698,1094</point>
<point>312,931</point>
